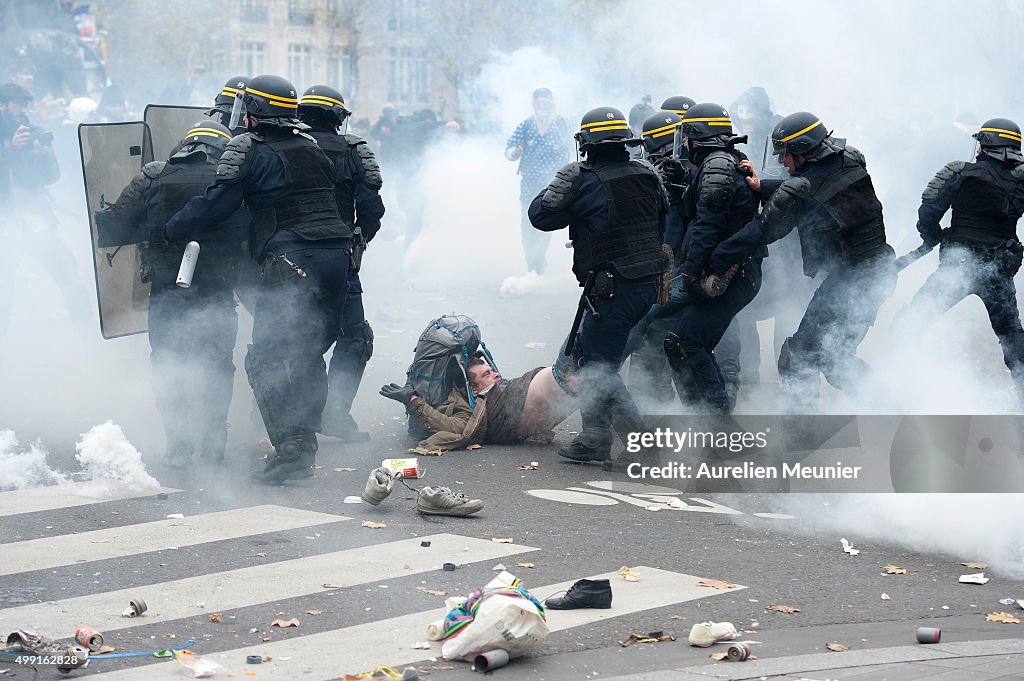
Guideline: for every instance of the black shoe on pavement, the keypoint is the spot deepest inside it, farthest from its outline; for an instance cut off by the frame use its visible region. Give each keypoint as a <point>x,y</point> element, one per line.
<point>578,450</point>
<point>293,461</point>
<point>586,593</point>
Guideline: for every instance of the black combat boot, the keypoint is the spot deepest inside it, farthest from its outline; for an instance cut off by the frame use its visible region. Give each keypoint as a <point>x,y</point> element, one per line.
<point>342,426</point>
<point>293,460</point>
<point>586,593</point>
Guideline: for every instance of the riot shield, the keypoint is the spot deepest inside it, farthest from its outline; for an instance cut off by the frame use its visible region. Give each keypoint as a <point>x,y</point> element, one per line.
<point>113,154</point>
<point>168,124</point>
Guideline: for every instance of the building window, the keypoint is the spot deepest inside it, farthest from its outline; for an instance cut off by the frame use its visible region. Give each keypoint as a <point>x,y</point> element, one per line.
<point>408,75</point>
<point>254,11</point>
<point>300,11</point>
<point>405,15</point>
<point>300,65</point>
<point>341,70</point>
<point>252,58</point>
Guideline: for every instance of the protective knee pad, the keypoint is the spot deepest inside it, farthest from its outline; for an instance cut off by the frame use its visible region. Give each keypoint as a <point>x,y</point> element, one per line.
<point>367,342</point>
<point>674,351</point>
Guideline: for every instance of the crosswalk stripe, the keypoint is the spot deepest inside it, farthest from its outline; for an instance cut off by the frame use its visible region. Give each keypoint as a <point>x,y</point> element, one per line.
<point>259,584</point>
<point>360,648</point>
<point>117,542</point>
<point>73,494</point>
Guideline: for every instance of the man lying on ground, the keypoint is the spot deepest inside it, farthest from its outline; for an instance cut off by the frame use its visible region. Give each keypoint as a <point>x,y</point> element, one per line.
<point>506,411</point>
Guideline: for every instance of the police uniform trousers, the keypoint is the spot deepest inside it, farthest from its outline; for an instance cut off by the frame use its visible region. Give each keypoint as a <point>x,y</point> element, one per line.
<point>839,316</point>
<point>297,316</point>
<point>352,351</point>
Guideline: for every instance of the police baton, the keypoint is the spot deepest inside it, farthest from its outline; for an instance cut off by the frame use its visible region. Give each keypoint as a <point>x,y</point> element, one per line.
<point>905,261</point>
<point>584,305</point>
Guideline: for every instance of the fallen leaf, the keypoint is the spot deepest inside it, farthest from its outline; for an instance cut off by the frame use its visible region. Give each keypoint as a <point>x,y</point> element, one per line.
<point>719,656</point>
<point>332,586</point>
<point>104,649</point>
<point>527,467</point>
<point>314,612</point>
<point>894,570</point>
<point>836,647</point>
<point>653,637</point>
<point>293,622</point>
<point>677,617</point>
<point>266,638</point>
<point>343,470</point>
<point>1004,617</point>
<point>215,617</point>
<point>472,447</point>
<point>788,609</point>
<point>886,597</point>
<point>716,584</point>
<point>373,525</point>
<point>500,540</point>
<point>268,658</point>
<point>526,565</point>
<point>261,554</point>
<point>628,574</point>
<point>975,566</point>
<point>432,592</point>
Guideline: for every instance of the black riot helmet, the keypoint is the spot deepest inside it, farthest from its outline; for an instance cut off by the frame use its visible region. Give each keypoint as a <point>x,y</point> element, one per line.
<point>271,99</point>
<point>235,87</point>
<point>800,134</point>
<point>706,125</point>
<point>205,136</point>
<point>322,98</point>
<point>604,125</point>
<point>659,131</point>
<point>998,132</point>
<point>678,104</point>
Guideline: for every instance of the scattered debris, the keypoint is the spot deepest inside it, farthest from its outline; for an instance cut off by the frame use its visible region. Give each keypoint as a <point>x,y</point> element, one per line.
<point>718,657</point>
<point>254,659</point>
<point>975,566</point>
<point>262,554</point>
<point>1020,604</point>
<point>422,645</point>
<point>535,345</point>
<point>532,466</point>
<point>652,637</point>
<point>373,525</point>
<point>332,586</point>
<point>677,617</point>
<point>894,570</point>
<point>448,567</point>
<point>928,635</point>
<point>199,667</point>
<point>163,496</point>
<point>848,547</point>
<point>314,612</point>
<point>652,507</point>
<point>215,617</point>
<point>1007,601</point>
<point>738,652</point>
<point>176,516</point>
<point>707,634</point>
<point>529,566</point>
<point>788,609</point>
<point>432,592</point>
<point>497,568</point>
<point>628,574</point>
<point>344,470</point>
<point>424,544</point>
<point>353,499</point>
<point>136,607</point>
<point>1004,617</point>
<point>502,540</point>
<point>471,447</point>
<point>976,578</point>
<point>886,597</point>
<point>836,647</point>
<point>293,622</point>
<point>716,584</point>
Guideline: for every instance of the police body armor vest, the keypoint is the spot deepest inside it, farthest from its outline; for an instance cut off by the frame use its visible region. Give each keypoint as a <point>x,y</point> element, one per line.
<point>337,149</point>
<point>177,184</point>
<point>307,205</point>
<point>738,215</point>
<point>631,241</point>
<point>985,211</point>
<point>849,198</point>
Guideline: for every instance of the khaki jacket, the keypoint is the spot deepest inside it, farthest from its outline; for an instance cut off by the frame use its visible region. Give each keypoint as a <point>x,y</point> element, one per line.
<point>453,424</point>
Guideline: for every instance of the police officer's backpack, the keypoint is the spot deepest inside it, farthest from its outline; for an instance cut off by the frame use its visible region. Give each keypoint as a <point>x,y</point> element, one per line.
<point>441,356</point>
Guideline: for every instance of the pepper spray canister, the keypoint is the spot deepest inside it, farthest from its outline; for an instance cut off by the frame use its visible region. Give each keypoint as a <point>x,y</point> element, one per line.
<point>188,264</point>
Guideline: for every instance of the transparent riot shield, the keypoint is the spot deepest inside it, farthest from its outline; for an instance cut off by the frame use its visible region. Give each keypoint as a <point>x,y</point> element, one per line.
<point>168,124</point>
<point>113,154</point>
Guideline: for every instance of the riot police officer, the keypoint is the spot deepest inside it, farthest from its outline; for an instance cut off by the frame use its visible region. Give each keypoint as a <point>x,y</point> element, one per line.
<point>830,200</point>
<point>719,204</point>
<point>357,189</point>
<point>225,102</point>
<point>191,330</point>
<point>615,210</point>
<point>980,253</point>
<point>303,245</point>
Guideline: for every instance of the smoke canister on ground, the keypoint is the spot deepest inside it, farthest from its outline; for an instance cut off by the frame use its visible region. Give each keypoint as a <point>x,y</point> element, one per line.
<point>89,638</point>
<point>738,652</point>
<point>928,635</point>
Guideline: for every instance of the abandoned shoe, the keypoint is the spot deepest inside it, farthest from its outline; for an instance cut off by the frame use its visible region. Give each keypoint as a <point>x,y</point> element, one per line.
<point>443,501</point>
<point>706,634</point>
<point>378,487</point>
<point>578,450</point>
<point>586,593</point>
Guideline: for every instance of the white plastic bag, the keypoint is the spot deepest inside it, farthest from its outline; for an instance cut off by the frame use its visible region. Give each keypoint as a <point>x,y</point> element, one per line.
<point>504,621</point>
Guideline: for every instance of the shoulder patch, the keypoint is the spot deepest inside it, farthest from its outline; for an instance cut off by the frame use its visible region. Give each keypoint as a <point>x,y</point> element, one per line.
<point>235,160</point>
<point>561,190</point>
<point>717,182</point>
<point>938,184</point>
<point>369,169</point>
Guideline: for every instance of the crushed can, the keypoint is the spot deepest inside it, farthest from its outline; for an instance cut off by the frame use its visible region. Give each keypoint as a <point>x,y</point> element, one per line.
<point>738,652</point>
<point>89,638</point>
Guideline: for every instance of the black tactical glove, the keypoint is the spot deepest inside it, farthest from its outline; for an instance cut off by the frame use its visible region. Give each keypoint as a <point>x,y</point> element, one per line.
<point>398,393</point>
<point>691,286</point>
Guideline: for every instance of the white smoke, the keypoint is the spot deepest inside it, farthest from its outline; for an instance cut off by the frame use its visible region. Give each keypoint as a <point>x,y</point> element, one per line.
<point>25,468</point>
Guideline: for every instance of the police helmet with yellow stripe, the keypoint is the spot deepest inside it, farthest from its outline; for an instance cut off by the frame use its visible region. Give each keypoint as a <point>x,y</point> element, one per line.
<point>208,132</point>
<point>677,104</point>
<point>234,87</point>
<point>604,124</point>
<point>799,134</point>
<point>998,132</point>
<point>706,122</point>
<point>323,98</point>
<point>270,97</point>
<point>659,130</point>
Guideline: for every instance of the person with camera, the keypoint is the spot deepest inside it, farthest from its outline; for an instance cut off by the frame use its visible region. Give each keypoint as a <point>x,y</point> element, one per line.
<point>27,167</point>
